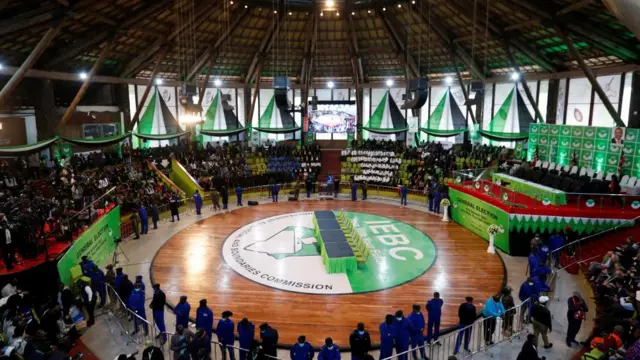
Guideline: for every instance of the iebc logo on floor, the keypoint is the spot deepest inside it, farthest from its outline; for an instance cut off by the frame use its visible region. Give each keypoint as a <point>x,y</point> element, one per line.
<point>282,252</point>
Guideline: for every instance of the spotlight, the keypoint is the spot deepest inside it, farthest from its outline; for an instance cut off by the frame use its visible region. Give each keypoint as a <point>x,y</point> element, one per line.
<point>231,2</point>
<point>352,13</point>
<point>413,2</point>
<point>399,5</point>
<point>217,82</point>
<point>321,13</point>
<point>275,11</point>
<point>83,75</point>
<point>515,76</point>
<point>330,3</point>
<point>448,80</point>
<point>389,83</point>
<point>290,13</point>
<point>330,84</point>
<point>159,81</point>
<point>246,6</point>
<point>369,11</point>
<point>337,13</point>
<point>384,9</point>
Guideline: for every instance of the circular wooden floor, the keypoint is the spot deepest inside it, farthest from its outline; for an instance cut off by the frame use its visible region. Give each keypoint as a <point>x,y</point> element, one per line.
<point>191,263</point>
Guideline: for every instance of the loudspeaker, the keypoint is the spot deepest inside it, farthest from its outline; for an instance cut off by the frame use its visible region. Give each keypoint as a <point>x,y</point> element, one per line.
<point>415,112</point>
<point>417,93</point>
<point>252,203</point>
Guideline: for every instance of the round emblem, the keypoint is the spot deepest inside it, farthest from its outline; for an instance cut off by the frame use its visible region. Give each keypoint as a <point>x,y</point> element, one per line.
<point>499,182</point>
<point>505,196</point>
<point>486,187</point>
<point>477,185</point>
<point>284,252</point>
<point>458,179</point>
<point>590,203</point>
<point>635,205</point>
<point>546,201</point>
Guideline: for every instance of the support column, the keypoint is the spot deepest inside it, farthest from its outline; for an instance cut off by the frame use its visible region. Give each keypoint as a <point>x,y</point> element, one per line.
<point>122,98</point>
<point>634,110</point>
<point>552,101</point>
<point>480,109</point>
<point>45,107</point>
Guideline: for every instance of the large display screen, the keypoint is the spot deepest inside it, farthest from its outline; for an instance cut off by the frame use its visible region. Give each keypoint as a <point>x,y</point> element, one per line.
<point>333,118</point>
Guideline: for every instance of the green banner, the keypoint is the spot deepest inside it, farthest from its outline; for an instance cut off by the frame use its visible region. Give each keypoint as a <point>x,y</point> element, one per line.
<point>476,215</point>
<point>181,177</point>
<point>97,242</point>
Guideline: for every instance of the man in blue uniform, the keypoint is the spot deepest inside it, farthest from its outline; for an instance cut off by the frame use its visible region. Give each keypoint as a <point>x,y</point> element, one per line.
<point>329,350</point>
<point>97,282</point>
<point>301,350</point>
<point>269,337</point>
<point>528,290</point>
<point>417,332</point>
<point>204,318</point>
<point>136,304</point>
<point>403,195</point>
<point>239,194</point>
<point>436,197</point>
<point>276,190</point>
<point>386,337</point>
<point>88,267</point>
<point>401,334</point>
<point>197,201</point>
<point>360,342</point>
<point>246,333</point>
<point>224,330</point>
<point>155,215</point>
<point>354,191</point>
<point>434,308</point>
<point>140,282</point>
<point>556,241</point>
<point>182,310</point>
<point>144,219</point>
<point>329,184</point>
<point>157,309</point>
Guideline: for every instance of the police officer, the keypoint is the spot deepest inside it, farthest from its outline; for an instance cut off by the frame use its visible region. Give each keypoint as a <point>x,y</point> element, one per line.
<point>204,318</point>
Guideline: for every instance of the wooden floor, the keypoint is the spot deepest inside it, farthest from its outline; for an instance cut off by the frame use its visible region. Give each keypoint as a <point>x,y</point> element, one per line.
<point>191,264</point>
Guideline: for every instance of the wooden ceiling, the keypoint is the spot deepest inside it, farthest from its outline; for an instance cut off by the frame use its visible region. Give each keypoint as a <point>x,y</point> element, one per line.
<point>361,40</point>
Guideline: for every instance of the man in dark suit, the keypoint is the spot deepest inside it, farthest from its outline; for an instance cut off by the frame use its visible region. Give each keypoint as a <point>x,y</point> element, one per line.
<point>618,136</point>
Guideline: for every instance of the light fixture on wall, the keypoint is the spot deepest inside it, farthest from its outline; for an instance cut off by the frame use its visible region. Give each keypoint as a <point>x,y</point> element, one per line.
<point>515,76</point>
<point>448,80</point>
<point>389,83</point>
<point>330,84</point>
<point>217,82</point>
<point>330,3</point>
<point>83,75</point>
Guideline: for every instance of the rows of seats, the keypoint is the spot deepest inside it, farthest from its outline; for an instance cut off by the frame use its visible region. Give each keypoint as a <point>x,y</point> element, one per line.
<point>256,163</point>
<point>629,184</point>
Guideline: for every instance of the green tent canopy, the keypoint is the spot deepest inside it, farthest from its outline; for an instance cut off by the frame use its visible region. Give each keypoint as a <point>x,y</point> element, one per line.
<point>158,120</point>
<point>276,120</point>
<point>447,119</point>
<point>511,122</point>
<point>100,142</point>
<point>220,120</point>
<point>387,118</point>
<point>23,150</point>
<point>161,137</point>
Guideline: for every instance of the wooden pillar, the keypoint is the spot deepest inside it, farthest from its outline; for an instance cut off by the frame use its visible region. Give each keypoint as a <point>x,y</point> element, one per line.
<point>552,101</point>
<point>122,98</point>
<point>85,85</point>
<point>29,62</point>
<point>256,90</point>
<point>634,110</point>
<point>44,106</point>
<point>152,79</point>
<point>480,109</point>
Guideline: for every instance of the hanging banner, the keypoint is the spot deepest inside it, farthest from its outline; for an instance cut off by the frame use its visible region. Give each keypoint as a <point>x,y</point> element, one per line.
<point>476,215</point>
<point>97,243</point>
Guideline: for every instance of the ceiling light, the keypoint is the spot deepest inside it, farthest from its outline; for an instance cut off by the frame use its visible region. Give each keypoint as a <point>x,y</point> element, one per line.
<point>231,2</point>
<point>448,80</point>
<point>275,11</point>
<point>353,13</point>
<point>330,84</point>
<point>159,81</point>
<point>413,2</point>
<point>399,5</point>
<point>246,6</point>
<point>369,11</point>
<point>337,13</point>
<point>290,13</point>
<point>330,3</point>
<point>321,13</point>
<point>217,82</point>
<point>389,83</point>
<point>515,76</point>
<point>1,66</point>
<point>83,75</point>
<point>384,9</point>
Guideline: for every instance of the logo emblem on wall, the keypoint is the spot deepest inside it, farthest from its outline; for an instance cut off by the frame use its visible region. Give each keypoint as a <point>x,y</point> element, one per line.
<point>283,252</point>
<point>590,133</point>
<point>544,130</point>
<point>554,131</point>
<point>603,134</point>
<point>577,132</point>
<point>505,196</point>
<point>566,131</point>
<point>630,136</point>
<point>577,115</point>
<point>635,205</point>
<point>590,203</point>
<point>477,184</point>
<point>546,201</point>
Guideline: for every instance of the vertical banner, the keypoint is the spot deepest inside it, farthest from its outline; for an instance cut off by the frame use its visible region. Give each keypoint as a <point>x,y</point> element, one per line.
<point>476,215</point>
<point>97,243</point>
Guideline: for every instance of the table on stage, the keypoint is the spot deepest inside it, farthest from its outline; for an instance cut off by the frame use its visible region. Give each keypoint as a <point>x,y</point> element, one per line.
<point>532,189</point>
<point>337,254</point>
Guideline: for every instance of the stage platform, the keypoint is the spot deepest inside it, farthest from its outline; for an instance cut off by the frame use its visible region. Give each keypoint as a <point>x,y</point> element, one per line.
<point>262,263</point>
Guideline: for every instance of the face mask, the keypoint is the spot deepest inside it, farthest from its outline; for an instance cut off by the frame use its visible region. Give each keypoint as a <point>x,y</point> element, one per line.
<point>301,344</point>
<point>531,284</point>
<point>330,347</point>
<point>361,332</point>
<point>138,289</point>
<point>399,318</point>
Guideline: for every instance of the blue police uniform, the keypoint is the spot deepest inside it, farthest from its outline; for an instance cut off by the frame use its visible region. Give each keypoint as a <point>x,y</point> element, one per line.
<point>144,220</point>
<point>302,351</point>
<point>224,330</point>
<point>386,340</point>
<point>182,314</point>
<point>204,320</point>
<point>329,354</point>
<point>246,335</point>
<point>239,195</point>
<point>434,307</point>
<point>136,304</point>
<point>417,333</point>
<point>197,200</point>
<point>402,336</point>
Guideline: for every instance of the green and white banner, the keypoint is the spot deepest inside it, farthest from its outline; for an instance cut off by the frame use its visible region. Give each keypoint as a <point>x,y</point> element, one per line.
<point>276,120</point>
<point>476,215</point>
<point>97,243</point>
<point>387,118</point>
<point>593,147</point>
<point>219,120</point>
<point>447,119</point>
<point>157,120</point>
<point>511,122</point>
<point>581,225</point>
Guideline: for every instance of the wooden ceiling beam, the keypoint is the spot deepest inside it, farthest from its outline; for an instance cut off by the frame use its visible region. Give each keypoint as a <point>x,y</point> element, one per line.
<point>396,38</point>
<point>134,65</point>
<point>29,62</point>
<point>265,46</point>
<point>454,49</point>
<point>573,7</point>
<point>212,49</point>
<point>28,19</point>
<point>353,40</point>
<point>93,39</point>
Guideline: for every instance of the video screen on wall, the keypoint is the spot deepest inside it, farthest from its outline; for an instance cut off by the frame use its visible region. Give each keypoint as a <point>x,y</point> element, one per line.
<point>333,118</point>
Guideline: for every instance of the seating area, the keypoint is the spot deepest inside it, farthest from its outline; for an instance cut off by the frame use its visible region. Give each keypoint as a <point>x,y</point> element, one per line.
<point>573,179</point>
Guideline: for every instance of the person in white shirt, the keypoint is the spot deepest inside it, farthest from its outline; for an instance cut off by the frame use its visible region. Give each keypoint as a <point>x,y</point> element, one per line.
<point>89,300</point>
<point>10,289</point>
